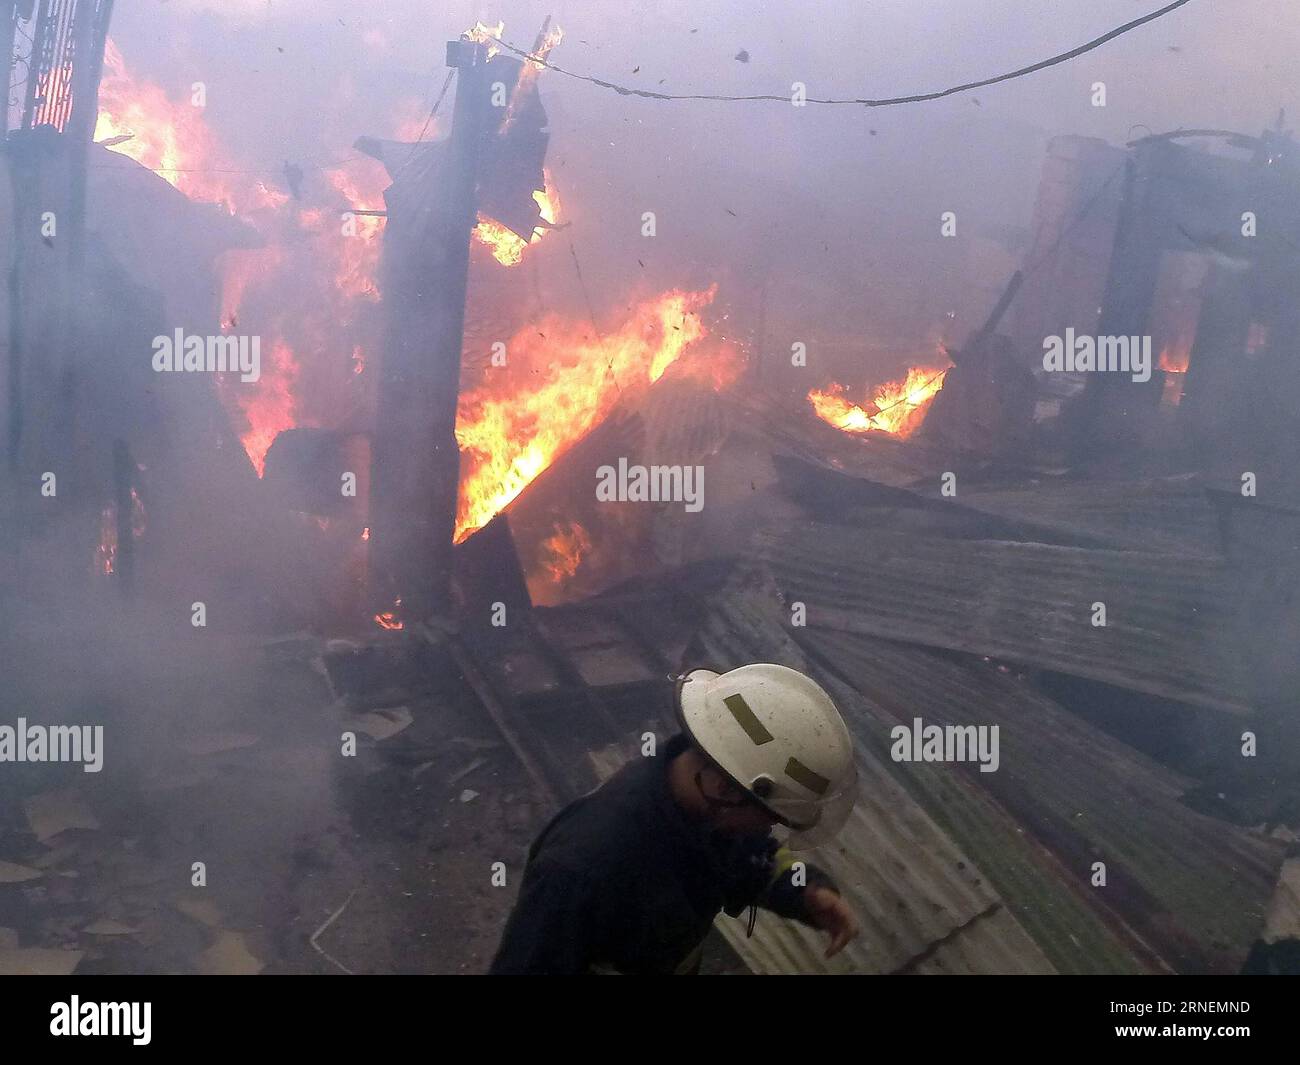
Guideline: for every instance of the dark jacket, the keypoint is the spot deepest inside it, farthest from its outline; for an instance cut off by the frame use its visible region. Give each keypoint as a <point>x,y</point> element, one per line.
<point>622,879</point>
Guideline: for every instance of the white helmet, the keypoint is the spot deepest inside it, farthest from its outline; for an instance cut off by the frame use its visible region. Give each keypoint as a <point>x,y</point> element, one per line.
<point>775,733</point>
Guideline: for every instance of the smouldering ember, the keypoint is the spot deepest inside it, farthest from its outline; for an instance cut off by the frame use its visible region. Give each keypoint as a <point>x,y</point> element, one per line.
<point>391,619</point>
<point>563,551</point>
<point>896,407</point>
<point>1174,360</point>
<point>106,549</point>
<point>560,381</point>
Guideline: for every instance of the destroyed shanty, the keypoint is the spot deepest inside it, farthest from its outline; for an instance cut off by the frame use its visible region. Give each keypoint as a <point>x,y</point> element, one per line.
<point>368,506</point>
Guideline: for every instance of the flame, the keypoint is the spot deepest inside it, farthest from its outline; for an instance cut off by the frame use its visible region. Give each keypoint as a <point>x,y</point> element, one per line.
<point>562,380</point>
<point>357,256</point>
<point>506,245</point>
<point>562,552</point>
<point>534,65</point>
<point>240,269</point>
<point>719,370</point>
<point>311,258</point>
<point>896,407</point>
<point>1175,358</point>
<point>485,34</point>
<point>171,139</point>
<point>267,404</point>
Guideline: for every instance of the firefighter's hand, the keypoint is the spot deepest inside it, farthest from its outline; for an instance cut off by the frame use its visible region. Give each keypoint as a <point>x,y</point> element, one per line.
<point>830,913</point>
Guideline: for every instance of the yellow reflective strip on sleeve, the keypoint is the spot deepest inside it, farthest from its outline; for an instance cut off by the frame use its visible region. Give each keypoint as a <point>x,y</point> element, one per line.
<point>785,859</point>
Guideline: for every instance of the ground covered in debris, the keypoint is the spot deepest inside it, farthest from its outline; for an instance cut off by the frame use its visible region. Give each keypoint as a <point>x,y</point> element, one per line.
<point>232,756</point>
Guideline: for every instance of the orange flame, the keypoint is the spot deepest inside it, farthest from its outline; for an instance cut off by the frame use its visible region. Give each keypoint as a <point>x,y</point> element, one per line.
<point>530,69</point>
<point>563,551</point>
<point>171,139</point>
<point>485,34</point>
<point>312,257</point>
<point>560,381</point>
<point>507,246</point>
<point>896,407</point>
<point>356,256</point>
<point>268,404</point>
<point>1175,358</point>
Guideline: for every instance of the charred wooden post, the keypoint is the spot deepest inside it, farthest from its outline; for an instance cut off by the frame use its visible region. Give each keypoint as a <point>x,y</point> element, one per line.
<point>990,326</point>
<point>1106,415</point>
<point>491,163</point>
<point>416,459</point>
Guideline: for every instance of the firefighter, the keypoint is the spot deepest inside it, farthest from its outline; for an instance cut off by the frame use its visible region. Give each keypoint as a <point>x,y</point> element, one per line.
<point>629,878</point>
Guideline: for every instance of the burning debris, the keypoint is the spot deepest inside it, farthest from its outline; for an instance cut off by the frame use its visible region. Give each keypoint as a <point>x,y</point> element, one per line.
<point>563,380</point>
<point>506,245</point>
<point>896,407</point>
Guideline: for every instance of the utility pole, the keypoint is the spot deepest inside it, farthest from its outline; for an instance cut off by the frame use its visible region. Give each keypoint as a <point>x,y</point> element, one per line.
<point>416,460</point>
<point>491,162</point>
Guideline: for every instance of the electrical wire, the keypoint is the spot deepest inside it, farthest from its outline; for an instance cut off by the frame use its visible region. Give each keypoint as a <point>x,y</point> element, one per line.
<point>1073,53</point>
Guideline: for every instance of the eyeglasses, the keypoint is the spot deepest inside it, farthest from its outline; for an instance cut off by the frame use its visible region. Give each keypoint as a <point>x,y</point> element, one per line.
<point>745,800</point>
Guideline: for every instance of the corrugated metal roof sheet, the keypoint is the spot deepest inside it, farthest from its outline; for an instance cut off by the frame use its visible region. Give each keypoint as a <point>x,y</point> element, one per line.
<point>1168,617</point>
<point>1164,515</point>
<point>922,904</point>
<point>1191,887</point>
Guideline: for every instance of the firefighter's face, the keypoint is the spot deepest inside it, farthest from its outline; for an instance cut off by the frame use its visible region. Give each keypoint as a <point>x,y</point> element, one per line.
<point>732,810</point>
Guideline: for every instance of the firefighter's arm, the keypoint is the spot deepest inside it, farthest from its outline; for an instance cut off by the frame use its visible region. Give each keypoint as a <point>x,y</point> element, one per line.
<point>552,927</point>
<point>805,893</point>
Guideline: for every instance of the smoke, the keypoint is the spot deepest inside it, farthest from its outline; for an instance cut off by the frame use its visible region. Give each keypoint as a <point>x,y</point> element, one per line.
<point>822,223</point>
<point>825,202</point>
